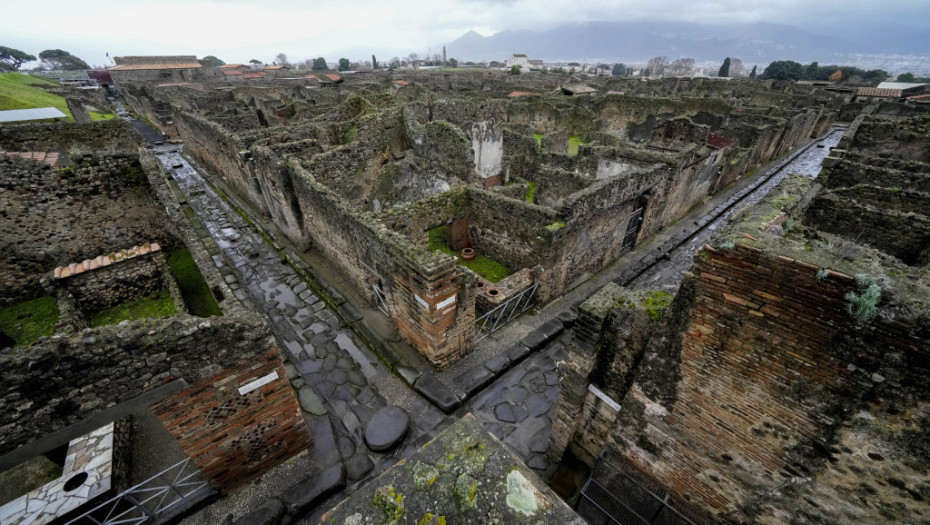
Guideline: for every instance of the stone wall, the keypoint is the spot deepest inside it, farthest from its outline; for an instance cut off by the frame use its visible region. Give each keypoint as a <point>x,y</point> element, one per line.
<point>310,213</point>
<point>62,380</point>
<point>234,436</point>
<point>105,282</point>
<point>99,203</point>
<point>64,136</point>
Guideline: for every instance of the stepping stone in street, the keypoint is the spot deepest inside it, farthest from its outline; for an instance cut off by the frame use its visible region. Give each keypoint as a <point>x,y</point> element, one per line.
<point>358,465</point>
<point>386,428</point>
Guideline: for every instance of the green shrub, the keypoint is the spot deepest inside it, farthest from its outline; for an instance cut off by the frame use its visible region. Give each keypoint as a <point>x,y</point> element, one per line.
<point>863,306</point>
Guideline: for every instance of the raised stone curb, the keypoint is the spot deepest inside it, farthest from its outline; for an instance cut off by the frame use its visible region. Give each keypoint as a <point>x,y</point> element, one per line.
<point>268,514</point>
<point>307,494</point>
<point>436,392</point>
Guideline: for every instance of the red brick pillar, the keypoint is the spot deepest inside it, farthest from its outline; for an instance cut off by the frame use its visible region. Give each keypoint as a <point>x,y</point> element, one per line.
<point>238,424</point>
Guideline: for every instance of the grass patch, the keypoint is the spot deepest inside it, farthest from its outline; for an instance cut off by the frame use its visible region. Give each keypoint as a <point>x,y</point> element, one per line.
<point>538,137</point>
<point>555,226</point>
<point>95,116</point>
<point>162,305</point>
<point>531,192</point>
<point>20,91</point>
<point>481,265</point>
<point>573,143</point>
<point>26,322</point>
<point>656,302</point>
<point>194,289</point>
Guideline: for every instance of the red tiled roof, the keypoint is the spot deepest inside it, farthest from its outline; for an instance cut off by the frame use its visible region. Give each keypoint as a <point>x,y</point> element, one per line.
<point>716,140</point>
<point>260,74</point>
<point>514,94</point>
<point>879,92</point>
<point>277,67</point>
<point>104,260</point>
<point>401,82</point>
<point>334,78</point>
<point>231,66</point>
<point>50,158</point>
<point>233,72</point>
<point>919,96</point>
<point>133,67</point>
<point>312,77</point>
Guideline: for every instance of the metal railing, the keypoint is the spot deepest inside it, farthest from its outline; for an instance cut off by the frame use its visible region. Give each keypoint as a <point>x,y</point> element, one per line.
<point>380,299</point>
<point>618,495</point>
<point>155,500</point>
<point>505,312</point>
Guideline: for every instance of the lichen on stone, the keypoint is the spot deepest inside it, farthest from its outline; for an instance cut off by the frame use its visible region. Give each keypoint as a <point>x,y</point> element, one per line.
<point>521,495</point>
<point>390,502</point>
<point>424,475</point>
<point>466,492</point>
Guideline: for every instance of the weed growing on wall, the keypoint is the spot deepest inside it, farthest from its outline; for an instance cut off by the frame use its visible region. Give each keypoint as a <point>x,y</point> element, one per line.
<point>863,306</point>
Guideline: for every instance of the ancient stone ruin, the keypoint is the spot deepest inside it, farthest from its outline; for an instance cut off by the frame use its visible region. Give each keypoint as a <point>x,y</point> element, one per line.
<point>465,296</point>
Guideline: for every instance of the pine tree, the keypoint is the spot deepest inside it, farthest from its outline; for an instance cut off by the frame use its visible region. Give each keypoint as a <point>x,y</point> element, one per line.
<point>725,68</point>
<point>752,74</point>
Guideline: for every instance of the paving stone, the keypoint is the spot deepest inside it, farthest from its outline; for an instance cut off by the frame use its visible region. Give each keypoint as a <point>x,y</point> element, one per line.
<point>291,371</point>
<point>345,363</point>
<point>538,462</point>
<point>326,388</point>
<point>386,428</point>
<point>310,367</point>
<point>310,492</point>
<point>338,376</point>
<point>344,393</point>
<point>518,394</point>
<point>505,412</point>
<point>474,380</point>
<point>497,364</point>
<point>517,352</point>
<point>298,382</point>
<point>330,363</point>
<point>436,392</point>
<point>310,402</point>
<point>301,287</point>
<point>537,405</point>
<point>333,322</point>
<point>357,379</point>
<point>552,378</point>
<point>358,466</point>
<point>365,395</point>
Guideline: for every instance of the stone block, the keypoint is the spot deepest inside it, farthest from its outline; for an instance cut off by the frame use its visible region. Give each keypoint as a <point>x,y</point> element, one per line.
<point>270,513</point>
<point>474,380</point>
<point>436,392</point>
<point>305,495</point>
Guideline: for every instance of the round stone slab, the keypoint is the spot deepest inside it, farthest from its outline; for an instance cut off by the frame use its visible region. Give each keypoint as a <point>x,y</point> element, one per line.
<point>386,428</point>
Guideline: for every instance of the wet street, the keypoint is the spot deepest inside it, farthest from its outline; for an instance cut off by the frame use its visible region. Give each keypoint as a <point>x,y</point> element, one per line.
<point>666,274</point>
<point>341,383</point>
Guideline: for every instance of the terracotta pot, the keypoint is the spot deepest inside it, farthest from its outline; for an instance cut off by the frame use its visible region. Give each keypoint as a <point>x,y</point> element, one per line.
<point>468,254</point>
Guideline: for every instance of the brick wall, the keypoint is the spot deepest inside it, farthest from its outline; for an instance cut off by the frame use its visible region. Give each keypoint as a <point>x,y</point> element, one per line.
<point>771,365</point>
<point>234,438</point>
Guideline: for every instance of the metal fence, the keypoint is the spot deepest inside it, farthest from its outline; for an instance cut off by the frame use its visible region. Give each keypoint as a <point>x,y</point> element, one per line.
<point>380,299</point>
<point>617,494</point>
<point>155,500</point>
<point>505,312</point>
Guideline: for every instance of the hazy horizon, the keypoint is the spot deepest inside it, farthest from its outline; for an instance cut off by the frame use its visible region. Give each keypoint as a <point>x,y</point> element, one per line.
<point>237,31</point>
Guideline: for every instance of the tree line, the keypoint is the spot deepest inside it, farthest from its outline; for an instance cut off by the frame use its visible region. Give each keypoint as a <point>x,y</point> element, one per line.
<point>52,59</point>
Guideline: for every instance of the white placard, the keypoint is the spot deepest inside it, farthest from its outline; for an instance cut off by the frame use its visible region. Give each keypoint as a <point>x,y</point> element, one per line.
<point>258,383</point>
<point>420,300</point>
<point>604,397</point>
<point>445,303</point>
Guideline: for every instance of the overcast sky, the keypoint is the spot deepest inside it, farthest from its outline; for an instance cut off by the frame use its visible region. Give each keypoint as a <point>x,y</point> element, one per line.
<point>239,30</point>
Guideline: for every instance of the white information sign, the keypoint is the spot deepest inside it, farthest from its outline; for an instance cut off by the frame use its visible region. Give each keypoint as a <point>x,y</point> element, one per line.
<point>258,383</point>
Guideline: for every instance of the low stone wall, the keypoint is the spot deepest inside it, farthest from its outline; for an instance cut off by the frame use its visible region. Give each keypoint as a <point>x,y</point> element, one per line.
<point>109,280</point>
<point>75,212</point>
<point>64,136</point>
<point>62,380</point>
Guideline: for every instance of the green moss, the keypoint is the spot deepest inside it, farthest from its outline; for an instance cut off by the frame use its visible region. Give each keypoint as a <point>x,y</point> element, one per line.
<point>573,144</point>
<point>351,133</point>
<point>390,502</point>
<point>656,302</point>
<point>465,492</point>
<point>555,226</point>
<point>424,475</point>
<point>481,265</point>
<point>28,321</point>
<point>95,116</point>
<point>194,289</point>
<point>162,305</point>
<point>538,137</point>
<point>531,192</point>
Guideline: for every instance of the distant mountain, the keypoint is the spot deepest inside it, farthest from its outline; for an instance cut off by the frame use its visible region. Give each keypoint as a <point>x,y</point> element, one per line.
<point>638,41</point>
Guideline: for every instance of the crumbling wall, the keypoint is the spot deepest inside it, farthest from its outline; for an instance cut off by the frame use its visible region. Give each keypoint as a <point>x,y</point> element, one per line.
<point>103,287</point>
<point>60,381</point>
<point>53,216</point>
<point>64,136</point>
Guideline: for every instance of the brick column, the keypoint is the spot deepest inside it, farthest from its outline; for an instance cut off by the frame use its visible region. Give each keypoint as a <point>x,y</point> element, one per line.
<point>238,424</point>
